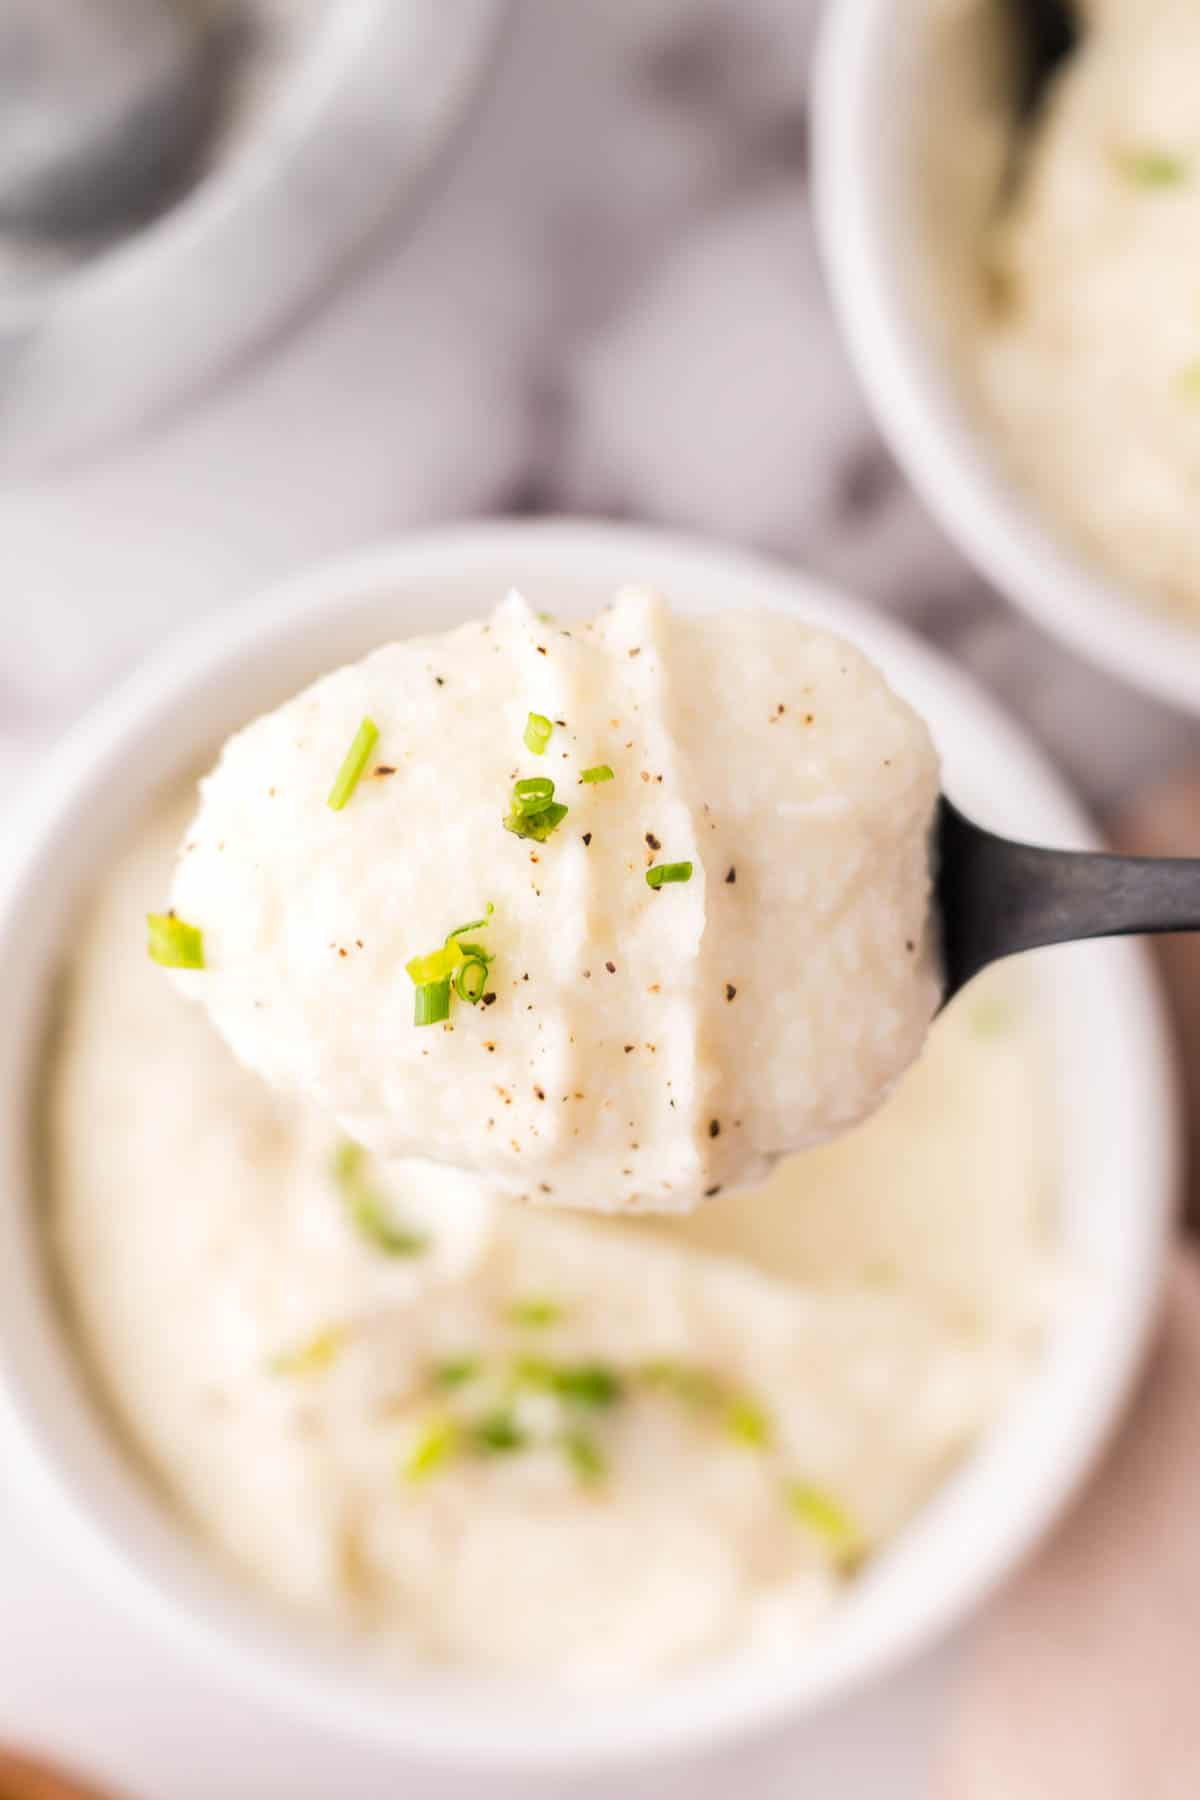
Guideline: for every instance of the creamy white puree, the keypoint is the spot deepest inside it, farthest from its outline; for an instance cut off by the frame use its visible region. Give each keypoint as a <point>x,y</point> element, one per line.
<point>201,1236</point>
<point>1083,347</point>
<point>642,1048</point>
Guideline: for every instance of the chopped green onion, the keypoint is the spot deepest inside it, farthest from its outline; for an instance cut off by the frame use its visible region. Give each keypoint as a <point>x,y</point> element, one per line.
<point>537,733</point>
<point>532,795</point>
<point>471,925</point>
<point>665,872</point>
<point>470,988</point>
<point>588,1384</point>
<point>431,1002</point>
<point>747,1423</point>
<point>498,1432</point>
<point>582,1384</point>
<point>585,1457</point>
<point>456,1371</point>
<point>823,1515</point>
<point>437,966</point>
<point>686,1381</point>
<point>367,1210</point>
<point>435,1446</point>
<point>173,942</point>
<point>535,1312</point>
<point>1153,168</point>
<point>311,1357</point>
<point>353,764</point>
<point>601,772</point>
<point>539,825</point>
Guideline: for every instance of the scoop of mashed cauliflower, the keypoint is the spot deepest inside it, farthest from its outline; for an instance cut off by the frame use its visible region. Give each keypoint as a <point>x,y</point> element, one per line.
<point>612,913</point>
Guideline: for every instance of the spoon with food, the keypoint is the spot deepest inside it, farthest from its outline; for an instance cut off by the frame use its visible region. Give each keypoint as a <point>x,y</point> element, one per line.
<point>613,913</point>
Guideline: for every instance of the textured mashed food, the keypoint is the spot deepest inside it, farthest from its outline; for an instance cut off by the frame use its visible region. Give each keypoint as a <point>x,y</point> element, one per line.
<point>1085,352</point>
<point>709,943</point>
<point>579,1451</point>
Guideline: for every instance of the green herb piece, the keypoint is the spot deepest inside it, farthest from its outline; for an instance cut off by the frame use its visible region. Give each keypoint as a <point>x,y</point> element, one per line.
<point>817,1509</point>
<point>497,1433</point>
<point>693,1385</point>
<point>593,1385</point>
<point>469,986</point>
<point>173,942</point>
<point>437,966</point>
<point>668,872</point>
<point>538,730</point>
<point>1188,380</point>
<point>472,925</point>
<point>353,764</point>
<point>437,1444</point>
<point>539,827</point>
<point>747,1423</point>
<point>536,1311</point>
<point>367,1210</point>
<point>1148,167</point>
<point>601,772</point>
<point>585,1456</point>
<point>431,1002</point>
<point>532,794</point>
<point>456,1371</point>
<point>312,1357</point>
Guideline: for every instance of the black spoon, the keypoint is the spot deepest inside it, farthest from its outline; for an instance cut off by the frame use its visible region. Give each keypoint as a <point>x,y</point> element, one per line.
<point>996,897</point>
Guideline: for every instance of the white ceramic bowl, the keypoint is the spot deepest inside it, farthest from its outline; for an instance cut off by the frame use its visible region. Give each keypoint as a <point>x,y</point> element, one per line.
<point>1117,1140</point>
<point>877,72</point>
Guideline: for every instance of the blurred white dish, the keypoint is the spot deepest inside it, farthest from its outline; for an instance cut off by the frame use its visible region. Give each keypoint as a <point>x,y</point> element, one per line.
<point>896,286</point>
<point>361,98</point>
<point>1116,1183</point>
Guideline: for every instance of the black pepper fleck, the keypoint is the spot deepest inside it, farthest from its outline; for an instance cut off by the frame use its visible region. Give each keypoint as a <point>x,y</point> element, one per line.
<point>611,967</point>
<point>709,1193</point>
<point>653,841</point>
<point>540,1092</point>
<point>587,837</point>
<point>714,1128</point>
<point>730,990</point>
<point>731,877</point>
<point>489,999</point>
<point>630,1047</point>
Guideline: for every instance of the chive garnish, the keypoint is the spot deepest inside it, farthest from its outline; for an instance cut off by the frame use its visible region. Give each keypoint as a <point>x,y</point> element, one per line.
<point>435,1446</point>
<point>470,980</point>
<point>367,1209</point>
<point>584,1456</point>
<point>588,1384</point>
<point>532,795</point>
<point>747,1423</point>
<point>311,1357</point>
<point>173,942</point>
<point>535,812</point>
<point>601,772</point>
<point>535,1311</point>
<point>431,1002</point>
<point>1154,168</point>
<point>353,764</point>
<point>456,1371</point>
<point>498,1432</point>
<point>668,872</point>
<point>537,733</point>
<point>817,1509</point>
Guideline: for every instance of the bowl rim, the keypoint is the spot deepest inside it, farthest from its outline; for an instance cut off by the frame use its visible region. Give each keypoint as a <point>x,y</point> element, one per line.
<point>913,395</point>
<point>719,1704</point>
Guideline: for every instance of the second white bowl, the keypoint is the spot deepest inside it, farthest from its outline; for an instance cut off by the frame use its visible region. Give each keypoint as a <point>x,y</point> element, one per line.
<point>877,70</point>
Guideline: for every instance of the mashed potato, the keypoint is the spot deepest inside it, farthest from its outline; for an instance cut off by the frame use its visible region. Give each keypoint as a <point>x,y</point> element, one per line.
<point>575,1451</point>
<point>1085,354</point>
<point>634,1046</point>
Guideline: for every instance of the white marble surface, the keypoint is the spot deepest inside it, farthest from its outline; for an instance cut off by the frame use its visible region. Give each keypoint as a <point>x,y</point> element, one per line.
<point>612,304</point>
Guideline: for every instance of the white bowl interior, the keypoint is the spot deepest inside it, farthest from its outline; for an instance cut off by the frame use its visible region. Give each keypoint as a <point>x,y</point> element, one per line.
<point>897,233</point>
<point>1111,1060</point>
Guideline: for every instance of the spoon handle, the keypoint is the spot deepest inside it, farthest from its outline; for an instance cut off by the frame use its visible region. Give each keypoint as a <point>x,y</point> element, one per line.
<point>998,897</point>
